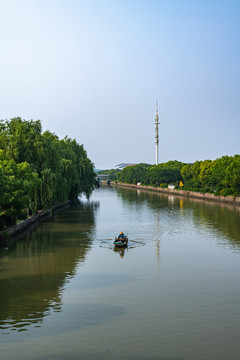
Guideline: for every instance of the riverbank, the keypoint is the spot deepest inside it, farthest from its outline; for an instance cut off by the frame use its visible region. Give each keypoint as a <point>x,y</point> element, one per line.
<point>25,225</point>
<point>187,193</point>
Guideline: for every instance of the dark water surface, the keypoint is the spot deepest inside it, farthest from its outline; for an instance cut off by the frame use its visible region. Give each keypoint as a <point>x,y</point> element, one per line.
<point>174,294</point>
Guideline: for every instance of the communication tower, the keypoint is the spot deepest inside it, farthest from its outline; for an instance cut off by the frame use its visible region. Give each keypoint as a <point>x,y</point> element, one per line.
<point>156,132</point>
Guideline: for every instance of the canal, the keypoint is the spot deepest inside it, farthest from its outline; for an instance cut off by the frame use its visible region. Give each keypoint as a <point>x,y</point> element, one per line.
<point>173,294</point>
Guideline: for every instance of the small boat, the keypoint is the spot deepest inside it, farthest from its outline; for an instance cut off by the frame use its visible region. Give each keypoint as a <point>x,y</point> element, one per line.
<point>121,242</point>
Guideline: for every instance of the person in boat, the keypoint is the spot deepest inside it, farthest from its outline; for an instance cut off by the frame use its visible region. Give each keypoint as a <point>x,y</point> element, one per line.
<point>121,235</point>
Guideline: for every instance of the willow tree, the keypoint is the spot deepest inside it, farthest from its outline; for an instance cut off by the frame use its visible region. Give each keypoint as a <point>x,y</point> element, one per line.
<point>62,167</point>
<point>20,190</point>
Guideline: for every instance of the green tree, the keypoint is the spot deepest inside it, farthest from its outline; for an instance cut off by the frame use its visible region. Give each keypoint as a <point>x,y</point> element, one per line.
<point>232,177</point>
<point>161,174</point>
<point>54,170</point>
<point>20,189</point>
<point>186,172</point>
<point>21,140</point>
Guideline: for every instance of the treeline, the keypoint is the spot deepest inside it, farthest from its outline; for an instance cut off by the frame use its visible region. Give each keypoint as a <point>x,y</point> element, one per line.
<point>220,176</point>
<point>150,174</point>
<point>112,173</point>
<point>38,170</point>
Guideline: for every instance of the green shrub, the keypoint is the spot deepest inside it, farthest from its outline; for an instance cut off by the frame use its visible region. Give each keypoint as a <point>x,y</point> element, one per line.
<point>226,192</point>
<point>22,215</point>
<point>9,217</point>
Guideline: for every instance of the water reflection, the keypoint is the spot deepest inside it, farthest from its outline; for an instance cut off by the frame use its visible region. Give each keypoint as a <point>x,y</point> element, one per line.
<point>224,219</point>
<point>120,251</point>
<point>189,309</point>
<point>33,271</point>
<point>218,217</point>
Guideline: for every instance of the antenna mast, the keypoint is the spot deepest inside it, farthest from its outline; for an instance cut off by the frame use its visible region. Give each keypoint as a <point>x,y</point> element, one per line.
<point>156,132</point>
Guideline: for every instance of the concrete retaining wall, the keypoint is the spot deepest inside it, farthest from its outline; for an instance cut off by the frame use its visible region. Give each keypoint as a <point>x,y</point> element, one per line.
<point>26,224</point>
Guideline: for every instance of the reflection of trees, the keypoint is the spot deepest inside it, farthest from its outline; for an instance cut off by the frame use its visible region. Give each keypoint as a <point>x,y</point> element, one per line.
<point>138,197</point>
<point>224,218</point>
<point>35,269</point>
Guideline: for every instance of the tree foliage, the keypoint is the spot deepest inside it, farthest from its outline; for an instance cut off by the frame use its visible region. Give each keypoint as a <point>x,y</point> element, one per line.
<point>151,174</point>
<point>134,174</point>
<point>38,170</point>
<point>112,173</point>
<point>220,176</point>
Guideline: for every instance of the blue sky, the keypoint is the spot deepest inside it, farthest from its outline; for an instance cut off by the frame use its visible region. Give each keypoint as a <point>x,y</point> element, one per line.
<point>93,70</point>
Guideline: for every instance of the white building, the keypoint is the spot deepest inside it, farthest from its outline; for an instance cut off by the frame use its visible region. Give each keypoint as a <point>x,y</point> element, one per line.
<point>122,166</point>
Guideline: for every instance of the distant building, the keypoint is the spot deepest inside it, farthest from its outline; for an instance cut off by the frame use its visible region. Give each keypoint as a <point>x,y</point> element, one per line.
<point>122,166</point>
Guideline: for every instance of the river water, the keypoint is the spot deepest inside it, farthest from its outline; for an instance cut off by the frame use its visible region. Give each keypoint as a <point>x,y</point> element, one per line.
<point>173,294</point>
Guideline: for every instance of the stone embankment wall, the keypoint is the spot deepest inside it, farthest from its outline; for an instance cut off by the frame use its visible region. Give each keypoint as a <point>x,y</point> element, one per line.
<point>204,196</point>
<point>26,224</point>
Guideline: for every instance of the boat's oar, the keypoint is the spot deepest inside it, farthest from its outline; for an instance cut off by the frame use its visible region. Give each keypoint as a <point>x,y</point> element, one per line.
<point>138,242</point>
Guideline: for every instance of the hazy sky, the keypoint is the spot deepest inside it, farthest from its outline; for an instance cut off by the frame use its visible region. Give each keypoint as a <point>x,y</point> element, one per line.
<point>93,70</point>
